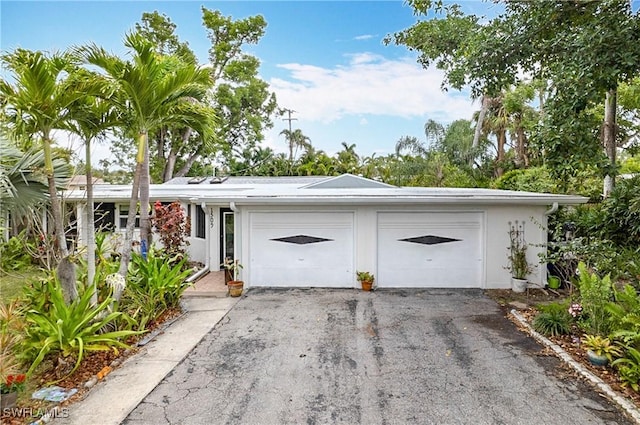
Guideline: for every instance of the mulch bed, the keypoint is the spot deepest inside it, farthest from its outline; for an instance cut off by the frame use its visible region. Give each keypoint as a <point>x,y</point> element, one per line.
<point>567,342</point>
<point>94,365</point>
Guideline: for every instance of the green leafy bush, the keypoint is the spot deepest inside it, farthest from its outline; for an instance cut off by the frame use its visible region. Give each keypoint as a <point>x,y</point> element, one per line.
<point>553,320</point>
<point>154,285</point>
<point>14,254</point>
<point>629,368</point>
<point>69,330</point>
<point>595,294</point>
<point>624,316</point>
<point>622,213</point>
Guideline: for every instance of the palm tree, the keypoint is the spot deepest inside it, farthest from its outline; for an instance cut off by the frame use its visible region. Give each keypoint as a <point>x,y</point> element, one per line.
<point>295,139</point>
<point>91,117</point>
<point>36,105</point>
<point>150,91</point>
<point>22,186</point>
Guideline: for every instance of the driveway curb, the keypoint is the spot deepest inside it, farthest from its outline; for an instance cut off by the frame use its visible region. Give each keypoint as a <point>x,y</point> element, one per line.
<point>111,401</point>
<point>628,407</point>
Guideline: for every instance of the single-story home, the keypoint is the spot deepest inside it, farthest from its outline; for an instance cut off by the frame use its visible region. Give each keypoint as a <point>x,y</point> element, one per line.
<point>318,231</point>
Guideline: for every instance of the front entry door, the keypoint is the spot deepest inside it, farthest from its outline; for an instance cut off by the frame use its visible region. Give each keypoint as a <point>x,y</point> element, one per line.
<point>226,234</point>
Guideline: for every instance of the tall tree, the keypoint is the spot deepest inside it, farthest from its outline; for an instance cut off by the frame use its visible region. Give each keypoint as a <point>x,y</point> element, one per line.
<point>36,105</point>
<point>91,117</point>
<point>150,91</point>
<point>296,139</point>
<point>241,98</point>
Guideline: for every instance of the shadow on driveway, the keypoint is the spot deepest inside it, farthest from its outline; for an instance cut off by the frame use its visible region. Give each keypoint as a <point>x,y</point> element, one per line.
<point>320,356</point>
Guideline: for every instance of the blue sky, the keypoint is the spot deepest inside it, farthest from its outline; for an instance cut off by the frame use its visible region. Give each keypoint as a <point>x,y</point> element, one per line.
<point>323,59</point>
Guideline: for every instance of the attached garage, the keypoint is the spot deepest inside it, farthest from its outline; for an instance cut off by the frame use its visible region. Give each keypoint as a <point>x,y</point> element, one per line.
<point>430,249</point>
<point>302,249</point>
<point>319,231</point>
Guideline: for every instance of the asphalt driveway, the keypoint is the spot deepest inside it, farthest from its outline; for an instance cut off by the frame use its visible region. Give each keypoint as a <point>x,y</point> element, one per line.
<point>386,357</point>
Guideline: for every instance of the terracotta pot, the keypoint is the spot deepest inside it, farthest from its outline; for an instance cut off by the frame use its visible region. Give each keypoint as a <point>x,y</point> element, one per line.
<point>235,287</point>
<point>366,285</point>
<point>8,401</point>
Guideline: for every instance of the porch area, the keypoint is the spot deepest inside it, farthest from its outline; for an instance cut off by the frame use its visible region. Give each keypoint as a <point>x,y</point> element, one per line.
<point>210,285</point>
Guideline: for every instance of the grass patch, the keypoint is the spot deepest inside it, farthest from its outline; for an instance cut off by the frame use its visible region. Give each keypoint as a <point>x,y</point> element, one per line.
<point>11,283</point>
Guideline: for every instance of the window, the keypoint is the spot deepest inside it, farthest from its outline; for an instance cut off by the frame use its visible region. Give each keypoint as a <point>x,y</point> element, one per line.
<point>104,217</point>
<point>124,212</point>
<point>200,223</point>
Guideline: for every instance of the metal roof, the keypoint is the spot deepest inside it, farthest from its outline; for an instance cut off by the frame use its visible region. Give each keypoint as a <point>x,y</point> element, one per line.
<point>298,191</point>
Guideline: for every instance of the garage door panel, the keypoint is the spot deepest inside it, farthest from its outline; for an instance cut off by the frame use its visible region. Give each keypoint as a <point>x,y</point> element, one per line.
<point>429,249</point>
<point>302,249</point>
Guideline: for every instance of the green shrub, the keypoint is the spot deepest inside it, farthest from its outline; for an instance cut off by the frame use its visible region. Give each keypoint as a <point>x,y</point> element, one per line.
<point>69,330</point>
<point>624,316</point>
<point>595,294</point>
<point>629,368</point>
<point>154,285</point>
<point>622,213</point>
<point>15,253</point>
<point>553,320</point>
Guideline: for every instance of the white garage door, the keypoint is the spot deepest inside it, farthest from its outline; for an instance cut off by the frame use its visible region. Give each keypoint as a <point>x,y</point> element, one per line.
<point>301,249</point>
<point>430,250</point>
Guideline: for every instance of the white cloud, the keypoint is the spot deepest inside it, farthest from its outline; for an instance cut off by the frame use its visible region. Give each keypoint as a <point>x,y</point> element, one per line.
<point>363,37</point>
<point>369,84</point>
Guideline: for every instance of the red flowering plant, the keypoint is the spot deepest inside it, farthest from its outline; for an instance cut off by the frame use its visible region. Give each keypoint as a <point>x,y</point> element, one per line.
<point>13,383</point>
<point>173,227</point>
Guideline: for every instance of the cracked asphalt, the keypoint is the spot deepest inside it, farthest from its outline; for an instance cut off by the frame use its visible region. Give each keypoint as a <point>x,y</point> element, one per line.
<point>318,356</point>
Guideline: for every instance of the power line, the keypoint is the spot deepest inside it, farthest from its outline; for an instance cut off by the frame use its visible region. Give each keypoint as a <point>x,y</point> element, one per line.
<point>289,112</point>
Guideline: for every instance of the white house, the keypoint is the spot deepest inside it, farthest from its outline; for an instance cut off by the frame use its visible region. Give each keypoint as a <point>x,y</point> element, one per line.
<point>318,231</point>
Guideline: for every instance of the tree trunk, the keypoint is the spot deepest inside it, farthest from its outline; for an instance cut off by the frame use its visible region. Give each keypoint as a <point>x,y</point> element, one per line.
<point>609,138</point>
<point>91,237</point>
<point>188,164</point>
<point>68,284</point>
<point>522,158</point>
<point>484,107</point>
<point>125,256</point>
<point>501,140</point>
<point>145,222</point>
<point>170,165</point>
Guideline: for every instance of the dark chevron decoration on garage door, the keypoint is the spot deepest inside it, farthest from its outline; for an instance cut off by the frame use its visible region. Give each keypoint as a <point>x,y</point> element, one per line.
<point>429,240</point>
<point>301,239</point>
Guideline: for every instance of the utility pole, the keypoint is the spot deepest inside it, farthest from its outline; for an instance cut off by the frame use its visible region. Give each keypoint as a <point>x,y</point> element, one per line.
<point>289,112</point>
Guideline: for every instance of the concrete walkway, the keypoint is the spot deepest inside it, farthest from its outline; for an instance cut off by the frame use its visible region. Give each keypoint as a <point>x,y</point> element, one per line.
<point>111,400</point>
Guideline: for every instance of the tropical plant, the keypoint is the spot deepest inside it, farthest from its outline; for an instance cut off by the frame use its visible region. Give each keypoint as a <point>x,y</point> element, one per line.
<point>149,92</point>
<point>553,320</point>
<point>629,368</point>
<point>232,267</point>
<point>518,263</point>
<point>154,285</point>
<point>595,294</point>
<point>37,105</point>
<point>70,330</point>
<point>624,316</point>
<point>13,255</point>
<point>173,227</point>
<point>91,117</point>
<point>602,346</point>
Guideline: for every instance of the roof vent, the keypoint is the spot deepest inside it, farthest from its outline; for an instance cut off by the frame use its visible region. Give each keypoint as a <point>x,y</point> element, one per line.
<point>196,180</point>
<point>218,180</point>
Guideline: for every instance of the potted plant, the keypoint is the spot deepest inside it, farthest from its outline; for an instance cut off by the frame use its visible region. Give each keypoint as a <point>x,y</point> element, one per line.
<point>600,350</point>
<point>366,279</point>
<point>518,264</point>
<point>10,386</point>
<point>232,268</point>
